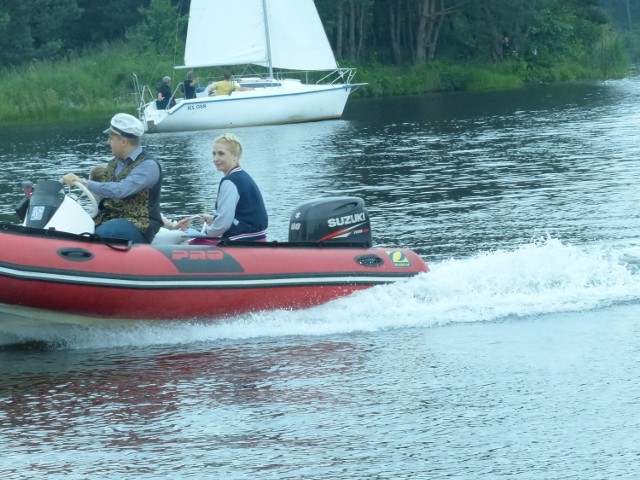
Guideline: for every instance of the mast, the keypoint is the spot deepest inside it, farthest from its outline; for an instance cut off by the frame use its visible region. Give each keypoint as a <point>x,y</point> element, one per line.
<point>267,36</point>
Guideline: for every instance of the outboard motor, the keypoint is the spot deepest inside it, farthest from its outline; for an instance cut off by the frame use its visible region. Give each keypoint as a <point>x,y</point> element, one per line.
<point>331,220</point>
<point>43,203</point>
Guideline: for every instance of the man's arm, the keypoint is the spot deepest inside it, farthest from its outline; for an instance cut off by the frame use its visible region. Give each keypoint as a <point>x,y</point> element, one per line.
<point>143,176</point>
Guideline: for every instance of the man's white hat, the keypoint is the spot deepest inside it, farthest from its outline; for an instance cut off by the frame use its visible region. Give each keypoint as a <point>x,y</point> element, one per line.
<point>125,125</point>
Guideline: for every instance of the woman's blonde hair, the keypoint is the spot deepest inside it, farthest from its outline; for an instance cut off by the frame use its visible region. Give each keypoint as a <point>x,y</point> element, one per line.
<point>232,142</point>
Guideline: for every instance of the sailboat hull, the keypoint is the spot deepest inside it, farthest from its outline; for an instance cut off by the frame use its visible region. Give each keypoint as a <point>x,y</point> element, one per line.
<point>262,106</point>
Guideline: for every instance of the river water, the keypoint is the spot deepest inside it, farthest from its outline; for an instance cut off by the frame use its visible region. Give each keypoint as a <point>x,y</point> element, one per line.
<point>517,356</point>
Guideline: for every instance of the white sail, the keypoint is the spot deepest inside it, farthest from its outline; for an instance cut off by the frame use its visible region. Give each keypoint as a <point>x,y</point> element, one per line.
<point>234,32</point>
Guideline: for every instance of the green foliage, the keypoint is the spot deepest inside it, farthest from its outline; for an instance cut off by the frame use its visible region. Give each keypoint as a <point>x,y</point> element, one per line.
<point>631,43</point>
<point>436,77</point>
<point>99,82</point>
<point>104,21</point>
<point>94,85</point>
<point>35,30</point>
<point>481,79</point>
<point>609,55</point>
<point>555,41</point>
<point>161,30</point>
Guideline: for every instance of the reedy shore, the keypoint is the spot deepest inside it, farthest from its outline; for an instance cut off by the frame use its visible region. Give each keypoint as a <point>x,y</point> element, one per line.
<point>100,83</point>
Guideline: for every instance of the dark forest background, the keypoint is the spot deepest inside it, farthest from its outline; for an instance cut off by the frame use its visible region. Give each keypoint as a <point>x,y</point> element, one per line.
<point>361,31</point>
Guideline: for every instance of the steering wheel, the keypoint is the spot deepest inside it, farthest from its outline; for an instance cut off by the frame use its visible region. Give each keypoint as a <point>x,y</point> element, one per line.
<point>91,209</point>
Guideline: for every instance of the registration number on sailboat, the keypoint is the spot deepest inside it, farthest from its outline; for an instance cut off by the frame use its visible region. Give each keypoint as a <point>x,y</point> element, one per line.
<point>195,107</point>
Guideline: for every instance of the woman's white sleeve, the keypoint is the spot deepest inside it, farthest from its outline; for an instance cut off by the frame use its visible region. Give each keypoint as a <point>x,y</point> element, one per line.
<point>228,198</point>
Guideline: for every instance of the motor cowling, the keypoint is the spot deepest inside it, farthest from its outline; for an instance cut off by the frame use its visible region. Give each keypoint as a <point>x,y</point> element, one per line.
<point>331,220</point>
<point>45,200</point>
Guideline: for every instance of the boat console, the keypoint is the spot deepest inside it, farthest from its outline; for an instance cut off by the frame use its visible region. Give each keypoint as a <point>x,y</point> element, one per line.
<point>46,206</point>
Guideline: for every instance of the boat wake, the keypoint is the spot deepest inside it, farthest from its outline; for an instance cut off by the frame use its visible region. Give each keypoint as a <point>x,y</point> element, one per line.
<point>539,278</point>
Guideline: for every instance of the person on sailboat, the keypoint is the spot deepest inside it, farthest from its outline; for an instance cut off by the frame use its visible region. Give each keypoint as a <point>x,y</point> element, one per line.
<point>240,210</point>
<point>226,86</point>
<point>164,95</point>
<point>130,190</point>
<point>189,86</point>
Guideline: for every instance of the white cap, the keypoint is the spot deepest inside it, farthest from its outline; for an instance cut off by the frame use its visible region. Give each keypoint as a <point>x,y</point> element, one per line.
<point>125,125</point>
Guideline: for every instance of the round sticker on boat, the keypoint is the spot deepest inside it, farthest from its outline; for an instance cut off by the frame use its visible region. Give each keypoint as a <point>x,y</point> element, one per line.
<point>398,258</point>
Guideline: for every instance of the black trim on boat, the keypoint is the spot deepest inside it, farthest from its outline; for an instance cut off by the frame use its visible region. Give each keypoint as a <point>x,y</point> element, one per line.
<point>125,245</point>
<point>115,243</point>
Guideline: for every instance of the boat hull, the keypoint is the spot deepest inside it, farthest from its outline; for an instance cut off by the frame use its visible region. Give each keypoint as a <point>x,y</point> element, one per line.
<point>65,273</point>
<point>262,106</point>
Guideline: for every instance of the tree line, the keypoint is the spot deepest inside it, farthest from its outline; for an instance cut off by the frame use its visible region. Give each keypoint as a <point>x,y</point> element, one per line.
<point>392,32</point>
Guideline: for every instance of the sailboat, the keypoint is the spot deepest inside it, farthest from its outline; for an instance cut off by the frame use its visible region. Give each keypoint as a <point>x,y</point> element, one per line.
<point>270,34</point>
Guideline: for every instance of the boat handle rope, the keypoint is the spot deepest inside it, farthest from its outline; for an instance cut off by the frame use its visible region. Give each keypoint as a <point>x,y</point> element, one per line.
<point>117,244</point>
<point>120,248</point>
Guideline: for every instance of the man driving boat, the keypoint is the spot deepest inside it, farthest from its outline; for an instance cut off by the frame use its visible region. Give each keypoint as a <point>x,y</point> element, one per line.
<point>130,192</point>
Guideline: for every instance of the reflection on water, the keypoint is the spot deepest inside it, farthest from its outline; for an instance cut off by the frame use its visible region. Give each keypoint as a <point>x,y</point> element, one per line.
<point>498,400</point>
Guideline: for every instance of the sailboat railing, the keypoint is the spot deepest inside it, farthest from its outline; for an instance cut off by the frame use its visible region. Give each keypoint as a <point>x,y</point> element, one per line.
<point>146,92</point>
<point>344,75</point>
<point>142,92</point>
<point>136,84</point>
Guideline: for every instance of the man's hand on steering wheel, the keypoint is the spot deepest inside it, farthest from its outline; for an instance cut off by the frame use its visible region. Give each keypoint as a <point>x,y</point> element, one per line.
<point>71,178</point>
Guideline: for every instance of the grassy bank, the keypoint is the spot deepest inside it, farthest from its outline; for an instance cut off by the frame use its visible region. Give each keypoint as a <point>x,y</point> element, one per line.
<point>91,86</point>
<point>100,83</point>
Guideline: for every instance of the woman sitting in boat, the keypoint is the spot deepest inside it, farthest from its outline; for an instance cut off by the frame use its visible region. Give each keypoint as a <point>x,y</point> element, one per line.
<point>240,210</point>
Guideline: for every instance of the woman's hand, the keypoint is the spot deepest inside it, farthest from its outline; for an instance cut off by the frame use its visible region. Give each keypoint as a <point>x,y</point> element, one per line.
<point>181,224</point>
<point>208,219</point>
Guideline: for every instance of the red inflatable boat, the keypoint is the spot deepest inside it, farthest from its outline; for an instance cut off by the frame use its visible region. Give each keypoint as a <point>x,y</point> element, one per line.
<point>328,256</point>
